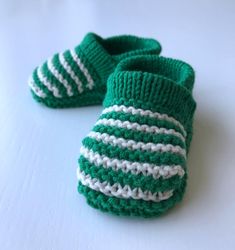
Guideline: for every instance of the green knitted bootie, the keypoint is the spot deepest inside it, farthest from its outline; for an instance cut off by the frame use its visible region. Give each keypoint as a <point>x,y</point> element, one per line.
<point>133,162</point>
<point>78,77</point>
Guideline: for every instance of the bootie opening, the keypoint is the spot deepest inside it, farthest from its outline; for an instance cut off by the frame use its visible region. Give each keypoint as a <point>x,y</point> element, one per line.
<point>126,45</point>
<point>171,69</point>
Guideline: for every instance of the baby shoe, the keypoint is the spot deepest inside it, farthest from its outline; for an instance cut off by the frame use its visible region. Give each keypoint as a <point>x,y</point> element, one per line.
<point>78,77</point>
<point>133,162</point>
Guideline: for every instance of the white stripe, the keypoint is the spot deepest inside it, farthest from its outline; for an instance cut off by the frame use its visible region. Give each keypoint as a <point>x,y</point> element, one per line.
<point>125,192</point>
<point>59,77</point>
<point>142,112</point>
<point>39,92</point>
<point>135,168</point>
<point>82,67</point>
<point>138,127</point>
<point>71,73</point>
<point>134,145</point>
<point>47,83</point>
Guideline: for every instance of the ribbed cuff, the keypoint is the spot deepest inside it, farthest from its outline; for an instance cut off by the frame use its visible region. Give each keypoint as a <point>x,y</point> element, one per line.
<point>105,54</point>
<point>98,57</point>
<point>132,46</point>
<point>149,91</point>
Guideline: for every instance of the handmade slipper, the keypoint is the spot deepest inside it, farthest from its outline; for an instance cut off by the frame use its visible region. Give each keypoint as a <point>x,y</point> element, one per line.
<point>78,77</point>
<point>133,162</point>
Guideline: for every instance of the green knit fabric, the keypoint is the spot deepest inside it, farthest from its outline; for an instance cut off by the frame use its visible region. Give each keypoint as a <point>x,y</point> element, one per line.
<point>133,162</point>
<point>78,77</point>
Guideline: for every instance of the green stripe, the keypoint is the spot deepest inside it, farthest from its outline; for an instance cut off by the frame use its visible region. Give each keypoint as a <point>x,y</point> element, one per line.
<point>92,70</point>
<point>140,136</point>
<point>164,158</point>
<point>141,120</point>
<point>189,137</point>
<point>51,78</point>
<point>66,76</point>
<point>130,207</point>
<point>89,98</point>
<point>69,59</point>
<point>40,84</point>
<point>134,181</point>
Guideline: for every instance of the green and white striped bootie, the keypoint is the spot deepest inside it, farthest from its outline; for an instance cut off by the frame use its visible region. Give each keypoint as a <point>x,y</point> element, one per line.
<point>133,162</point>
<point>78,77</point>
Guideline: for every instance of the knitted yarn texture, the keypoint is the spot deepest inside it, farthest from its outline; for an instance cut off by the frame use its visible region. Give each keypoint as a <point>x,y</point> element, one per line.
<point>77,77</point>
<point>133,162</point>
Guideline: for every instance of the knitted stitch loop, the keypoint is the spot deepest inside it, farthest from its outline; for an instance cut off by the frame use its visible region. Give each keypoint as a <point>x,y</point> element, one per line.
<point>133,162</point>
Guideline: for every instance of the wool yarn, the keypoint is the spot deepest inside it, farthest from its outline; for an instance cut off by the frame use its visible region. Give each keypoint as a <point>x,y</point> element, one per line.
<point>78,77</point>
<point>133,162</point>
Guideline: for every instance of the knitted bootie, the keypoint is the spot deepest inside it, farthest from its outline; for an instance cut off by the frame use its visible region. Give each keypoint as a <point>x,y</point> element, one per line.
<point>78,77</point>
<point>133,162</point>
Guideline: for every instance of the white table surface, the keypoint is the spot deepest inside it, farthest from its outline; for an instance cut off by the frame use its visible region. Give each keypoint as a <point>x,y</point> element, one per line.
<point>39,147</point>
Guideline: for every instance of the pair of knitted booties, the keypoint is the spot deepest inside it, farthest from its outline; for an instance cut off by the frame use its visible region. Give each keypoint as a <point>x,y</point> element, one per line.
<point>133,162</point>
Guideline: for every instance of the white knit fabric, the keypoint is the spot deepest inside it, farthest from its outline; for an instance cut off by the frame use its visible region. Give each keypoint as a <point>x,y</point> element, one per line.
<point>59,77</point>
<point>142,112</point>
<point>125,192</point>
<point>45,82</point>
<point>146,169</point>
<point>90,81</point>
<point>134,145</point>
<point>139,127</point>
<point>70,72</point>
<point>37,91</point>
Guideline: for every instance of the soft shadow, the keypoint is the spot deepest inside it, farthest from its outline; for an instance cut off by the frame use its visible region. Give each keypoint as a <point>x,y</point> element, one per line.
<point>206,144</point>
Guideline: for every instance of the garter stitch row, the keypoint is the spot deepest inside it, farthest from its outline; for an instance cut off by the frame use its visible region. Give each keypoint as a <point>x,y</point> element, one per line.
<point>78,77</point>
<point>133,162</point>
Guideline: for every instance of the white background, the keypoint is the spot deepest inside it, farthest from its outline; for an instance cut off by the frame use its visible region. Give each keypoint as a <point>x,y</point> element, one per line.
<point>39,147</point>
